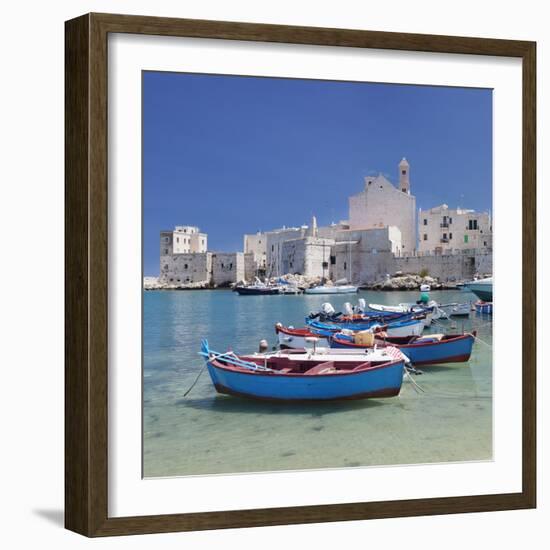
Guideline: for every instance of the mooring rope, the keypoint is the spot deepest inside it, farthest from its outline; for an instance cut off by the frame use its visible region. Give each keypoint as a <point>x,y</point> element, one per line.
<point>473,328</point>
<point>419,389</point>
<point>416,386</point>
<point>196,380</point>
<point>483,341</point>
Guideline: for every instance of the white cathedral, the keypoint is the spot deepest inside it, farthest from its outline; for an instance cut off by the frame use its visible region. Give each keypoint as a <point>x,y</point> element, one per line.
<point>381,204</point>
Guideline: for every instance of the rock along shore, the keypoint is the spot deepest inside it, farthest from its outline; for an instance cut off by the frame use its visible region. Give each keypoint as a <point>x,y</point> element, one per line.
<point>397,282</point>
<point>408,282</point>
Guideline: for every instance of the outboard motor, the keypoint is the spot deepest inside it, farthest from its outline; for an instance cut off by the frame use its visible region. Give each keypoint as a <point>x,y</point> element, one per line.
<point>348,309</point>
<point>327,312</point>
<point>361,305</point>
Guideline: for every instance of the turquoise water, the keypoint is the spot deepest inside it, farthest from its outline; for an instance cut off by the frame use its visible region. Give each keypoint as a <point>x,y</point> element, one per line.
<point>208,433</point>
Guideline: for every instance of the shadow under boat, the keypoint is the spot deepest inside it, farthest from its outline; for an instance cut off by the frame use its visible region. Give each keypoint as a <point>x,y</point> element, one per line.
<point>240,405</point>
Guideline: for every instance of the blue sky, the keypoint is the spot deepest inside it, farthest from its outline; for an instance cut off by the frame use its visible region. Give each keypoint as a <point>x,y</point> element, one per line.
<point>235,155</point>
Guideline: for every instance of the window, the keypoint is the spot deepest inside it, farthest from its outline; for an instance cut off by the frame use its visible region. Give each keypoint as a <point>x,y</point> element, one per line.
<point>231,265</point>
<point>484,243</point>
<point>222,265</point>
<point>450,236</point>
<point>291,265</point>
<point>472,224</point>
<point>403,172</point>
<point>166,251</point>
<point>177,239</point>
<point>325,265</point>
<point>444,235</point>
<point>450,220</point>
<point>272,247</point>
<point>345,265</point>
<point>333,260</point>
<point>465,238</point>
<point>185,266</point>
<point>425,237</point>
<point>425,221</point>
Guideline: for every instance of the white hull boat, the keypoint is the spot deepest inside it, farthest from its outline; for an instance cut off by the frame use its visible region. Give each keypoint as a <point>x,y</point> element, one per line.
<point>291,338</point>
<point>410,328</point>
<point>298,341</point>
<point>482,288</point>
<point>460,310</point>
<point>325,289</point>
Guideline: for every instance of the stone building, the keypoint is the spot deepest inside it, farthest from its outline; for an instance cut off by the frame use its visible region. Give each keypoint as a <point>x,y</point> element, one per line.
<point>364,255</point>
<point>185,268</point>
<point>183,239</point>
<point>227,267</point>
<point>381,204</point>
<point>184,259</point>
<point>441,230</point>
<point>309,255</point>
<point>255,244</point>
<point>274,247</point>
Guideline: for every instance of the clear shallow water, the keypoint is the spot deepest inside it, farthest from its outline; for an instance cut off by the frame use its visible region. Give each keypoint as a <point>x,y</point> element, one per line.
<point>208,433</point>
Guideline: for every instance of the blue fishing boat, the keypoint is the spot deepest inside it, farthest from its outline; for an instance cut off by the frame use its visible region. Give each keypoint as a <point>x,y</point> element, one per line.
<point>409,327</point>
<point>484,307</point>
<point>306,376</point>
<point>431,349</point>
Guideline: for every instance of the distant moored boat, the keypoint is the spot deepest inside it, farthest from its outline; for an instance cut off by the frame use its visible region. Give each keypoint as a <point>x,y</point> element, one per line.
<point>482,288</point>
<point>329,289</point>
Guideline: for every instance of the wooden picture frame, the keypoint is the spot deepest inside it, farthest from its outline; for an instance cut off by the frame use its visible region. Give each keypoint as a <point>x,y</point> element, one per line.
<point>86,282</point>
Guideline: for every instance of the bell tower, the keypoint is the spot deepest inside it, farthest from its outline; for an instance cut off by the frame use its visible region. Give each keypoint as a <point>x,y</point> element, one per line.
<point>404,184</point>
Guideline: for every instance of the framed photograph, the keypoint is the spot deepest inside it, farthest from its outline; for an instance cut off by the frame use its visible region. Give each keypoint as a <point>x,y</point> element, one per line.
<point>290,258</point>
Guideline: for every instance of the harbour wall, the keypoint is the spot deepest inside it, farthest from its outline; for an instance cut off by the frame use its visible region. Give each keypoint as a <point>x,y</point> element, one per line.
<point>447,267</point>
<point>210,268</point>
<point>185,268</point>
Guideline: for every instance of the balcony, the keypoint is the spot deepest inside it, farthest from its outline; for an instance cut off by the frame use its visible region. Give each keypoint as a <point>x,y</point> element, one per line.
<point>444,240</point>
<point>444,224</point>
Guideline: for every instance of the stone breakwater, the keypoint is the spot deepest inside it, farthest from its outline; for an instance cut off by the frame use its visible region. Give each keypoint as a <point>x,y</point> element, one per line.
<point>397,282</point>
<point>408,282</point>
<point>301,281</point>
<point>153,283</point>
